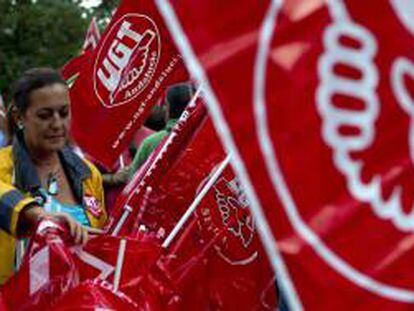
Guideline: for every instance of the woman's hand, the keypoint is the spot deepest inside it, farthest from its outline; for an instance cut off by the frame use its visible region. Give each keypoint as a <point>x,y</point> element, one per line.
<point>116,179</point>
<point>31,215</point>
<point>78,232</point>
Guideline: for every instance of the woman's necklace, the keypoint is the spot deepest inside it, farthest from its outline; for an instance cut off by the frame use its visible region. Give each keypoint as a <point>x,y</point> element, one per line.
<point>49,172</point>
<point>52,184</point>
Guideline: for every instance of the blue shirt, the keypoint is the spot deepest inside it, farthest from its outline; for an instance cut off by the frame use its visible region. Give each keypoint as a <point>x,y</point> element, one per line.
<point>76,211</point>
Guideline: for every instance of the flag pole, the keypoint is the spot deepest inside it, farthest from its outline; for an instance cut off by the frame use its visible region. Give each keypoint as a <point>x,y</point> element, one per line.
<point>121,161</point>
<point>119,263</point>
<point>196,202</point>
<point>161,153</point>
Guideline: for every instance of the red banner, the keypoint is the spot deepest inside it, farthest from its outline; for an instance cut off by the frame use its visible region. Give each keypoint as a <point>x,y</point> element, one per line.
<point>317,108</point>
<point>175,190</point>
<point>53,267</point>
<point>128,211</point>
<point>70,71</point>
<point>221,235</point>
<point>99,295</point>
<point>48,270</point>
<point>92,36</point>
<point>219,245</point>
<point>127,73</point>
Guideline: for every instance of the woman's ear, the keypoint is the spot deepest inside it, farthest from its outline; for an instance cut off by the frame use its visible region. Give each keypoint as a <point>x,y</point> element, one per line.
<point>17,117</point>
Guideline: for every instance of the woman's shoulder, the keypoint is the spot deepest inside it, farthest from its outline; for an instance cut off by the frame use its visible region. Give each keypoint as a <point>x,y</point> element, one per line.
<point>6,163</point>
<point>6,152</point>
<point>6,157</point>
<point>95,173</point>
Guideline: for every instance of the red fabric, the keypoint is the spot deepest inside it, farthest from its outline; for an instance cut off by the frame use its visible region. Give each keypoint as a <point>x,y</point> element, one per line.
<point>222,249</point>
<point>219,248</point>
<point>92,36</point>
<point>177,187</point>
<point>52,267</point>
<point>237,264</point>
<point>335,136</point>
<point>138,258</point>
<point>74,66</point>
<point>112,192</point>
<point>98,295</point>
<point>128,72</point>
<point>3,306</point>
<point>77,64</point>
<point>153,169</point>
<point>47,271</point>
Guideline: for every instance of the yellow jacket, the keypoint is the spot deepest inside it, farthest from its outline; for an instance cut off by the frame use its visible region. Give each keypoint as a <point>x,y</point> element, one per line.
<point>19,186</point>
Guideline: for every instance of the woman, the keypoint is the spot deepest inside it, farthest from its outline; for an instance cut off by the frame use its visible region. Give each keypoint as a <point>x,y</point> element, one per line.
<point>39,174</point>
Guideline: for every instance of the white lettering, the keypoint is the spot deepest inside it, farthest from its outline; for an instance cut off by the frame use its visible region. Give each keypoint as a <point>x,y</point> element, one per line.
<point>119,55</point>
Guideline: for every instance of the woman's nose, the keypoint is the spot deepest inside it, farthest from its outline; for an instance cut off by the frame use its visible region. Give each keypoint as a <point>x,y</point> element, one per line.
<point>57,120</point>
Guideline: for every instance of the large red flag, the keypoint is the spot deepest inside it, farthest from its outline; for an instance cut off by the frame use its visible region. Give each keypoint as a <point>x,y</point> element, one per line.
<point>129,69</point>
<point>315,100</point>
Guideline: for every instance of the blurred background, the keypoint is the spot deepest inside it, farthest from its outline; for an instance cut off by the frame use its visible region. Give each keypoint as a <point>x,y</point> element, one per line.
<point>44,33</point>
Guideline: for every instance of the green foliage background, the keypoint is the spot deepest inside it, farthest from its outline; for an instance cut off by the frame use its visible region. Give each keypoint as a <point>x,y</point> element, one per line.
<point>37,33</point>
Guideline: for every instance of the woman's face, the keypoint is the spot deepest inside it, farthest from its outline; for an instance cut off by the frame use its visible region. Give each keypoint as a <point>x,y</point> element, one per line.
<point>46,120</point>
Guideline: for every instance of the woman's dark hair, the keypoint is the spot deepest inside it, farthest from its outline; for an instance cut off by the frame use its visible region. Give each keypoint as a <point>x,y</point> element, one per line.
<point>31,80</point>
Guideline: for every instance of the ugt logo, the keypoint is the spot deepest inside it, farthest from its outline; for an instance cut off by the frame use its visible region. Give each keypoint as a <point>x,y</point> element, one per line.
<point>127,60</point>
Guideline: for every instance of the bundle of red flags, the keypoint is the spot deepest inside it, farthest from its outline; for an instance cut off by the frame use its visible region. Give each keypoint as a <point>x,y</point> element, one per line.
<point>218,248</point>
<point>313,105</point>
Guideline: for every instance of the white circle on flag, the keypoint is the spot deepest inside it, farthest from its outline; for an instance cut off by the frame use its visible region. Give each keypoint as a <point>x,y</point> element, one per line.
<point>269,153</point>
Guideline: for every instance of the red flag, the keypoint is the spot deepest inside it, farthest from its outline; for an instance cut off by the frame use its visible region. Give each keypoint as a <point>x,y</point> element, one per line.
<point>92,36</point>
<point>175,190</point>
<point>320,127</point>
<point>123,262</point>
<point>129,69</point>
<point>47,271</point>
<point>53,267</point>
<point>174,176</point>
<point>99,295</point>
<point>2,304</point>
<point>70,71</point>
<point>128,206</point>
<point>234,261</point>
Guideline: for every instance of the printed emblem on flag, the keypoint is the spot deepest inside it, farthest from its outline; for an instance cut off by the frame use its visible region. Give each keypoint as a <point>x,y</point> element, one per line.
<point>93,206</point>
<point>226,208</point>
<point>357,163</point>
<point>127,60</point>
